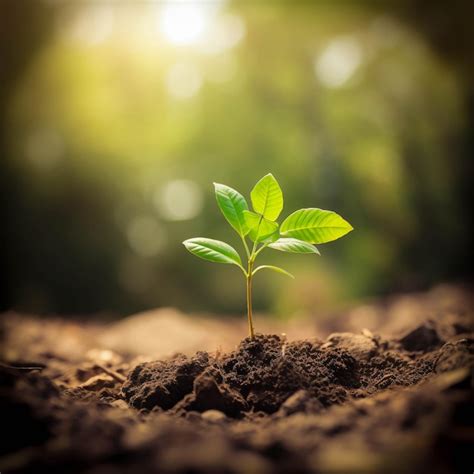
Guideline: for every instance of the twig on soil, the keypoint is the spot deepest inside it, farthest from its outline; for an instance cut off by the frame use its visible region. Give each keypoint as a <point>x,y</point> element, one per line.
<point>20,368</point>
<point>119,377</point>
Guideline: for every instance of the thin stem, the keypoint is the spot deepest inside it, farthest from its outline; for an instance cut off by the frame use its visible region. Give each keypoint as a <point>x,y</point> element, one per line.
<point>249,298</point>
<point>247,251</point>
<point>243,270</point>
<point>254,248</point>
<point>251,259</point>
<point>260,249</point>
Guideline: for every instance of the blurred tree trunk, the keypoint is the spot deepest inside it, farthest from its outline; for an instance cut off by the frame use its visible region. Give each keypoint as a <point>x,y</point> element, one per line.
<point>448,29</point>
<point>24,28</point>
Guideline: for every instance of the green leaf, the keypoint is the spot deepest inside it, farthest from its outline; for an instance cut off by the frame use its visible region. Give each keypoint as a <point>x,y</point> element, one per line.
<point>267,198</point>
<point>275,269</point>
<point>232,204</point>
<point>260,228</point>
<point>291,245</point>
<point>315,226</point>
<point>213,250</point>
<point>271,238</point>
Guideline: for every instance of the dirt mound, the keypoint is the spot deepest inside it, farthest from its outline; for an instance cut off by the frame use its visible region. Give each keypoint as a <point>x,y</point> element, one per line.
<point>163,383</point>
<point>265,372</point>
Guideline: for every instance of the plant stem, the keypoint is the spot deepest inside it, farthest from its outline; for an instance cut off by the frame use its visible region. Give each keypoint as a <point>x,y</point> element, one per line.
<point>260,249</point>
<point>249,297</point>
<point>251,259</point>
<point>247,251</point>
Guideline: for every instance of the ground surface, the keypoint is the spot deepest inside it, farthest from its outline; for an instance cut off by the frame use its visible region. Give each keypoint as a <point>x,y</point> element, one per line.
<point>160,392</point>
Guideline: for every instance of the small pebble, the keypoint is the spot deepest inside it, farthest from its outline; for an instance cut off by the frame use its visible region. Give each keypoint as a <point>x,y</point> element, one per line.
<point>215,416</point>
<point>122,404</point>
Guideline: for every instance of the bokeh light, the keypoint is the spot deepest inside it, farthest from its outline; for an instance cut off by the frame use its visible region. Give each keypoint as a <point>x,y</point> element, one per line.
<point>179,200</point>
<point>183,23</point>
<point>339,61</point>
<point>145,236</point>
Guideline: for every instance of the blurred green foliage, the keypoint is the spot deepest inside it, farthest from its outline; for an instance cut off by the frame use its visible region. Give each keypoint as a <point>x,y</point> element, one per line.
<point>120,123</point>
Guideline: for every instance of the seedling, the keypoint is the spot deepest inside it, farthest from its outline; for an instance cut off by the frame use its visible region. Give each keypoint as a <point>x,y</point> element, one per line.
<point>297,234</point>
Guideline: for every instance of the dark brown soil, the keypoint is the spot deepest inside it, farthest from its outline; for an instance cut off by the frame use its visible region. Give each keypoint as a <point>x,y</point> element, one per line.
<point>348,403</point>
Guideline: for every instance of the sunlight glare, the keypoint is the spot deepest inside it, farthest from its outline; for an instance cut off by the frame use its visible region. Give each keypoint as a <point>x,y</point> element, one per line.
<point>183,23</point>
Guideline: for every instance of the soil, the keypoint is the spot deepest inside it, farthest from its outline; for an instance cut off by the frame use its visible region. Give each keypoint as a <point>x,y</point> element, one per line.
<point>348,402</point>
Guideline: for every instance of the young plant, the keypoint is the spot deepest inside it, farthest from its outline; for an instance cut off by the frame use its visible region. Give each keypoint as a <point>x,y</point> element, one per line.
<point>297,233</point>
